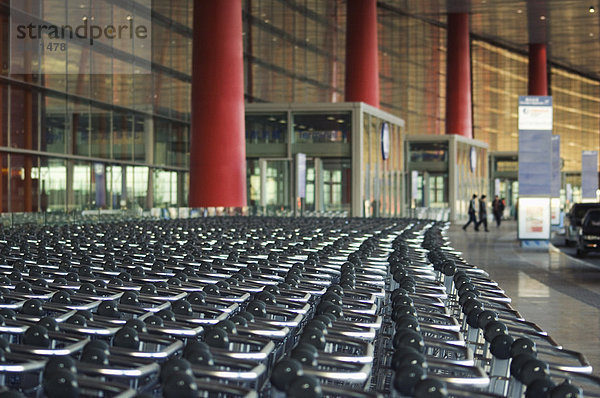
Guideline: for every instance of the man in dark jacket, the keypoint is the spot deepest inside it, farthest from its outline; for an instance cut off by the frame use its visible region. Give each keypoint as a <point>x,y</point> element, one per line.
<point>472,213</point>
<point>497,210</point>
<point>482,214</point>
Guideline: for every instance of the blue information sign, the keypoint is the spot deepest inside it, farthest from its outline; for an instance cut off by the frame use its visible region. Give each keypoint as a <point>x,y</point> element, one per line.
<point>555,190</point>
<point>535,135</point>
<point>589,174</point>
<point>535,166</point>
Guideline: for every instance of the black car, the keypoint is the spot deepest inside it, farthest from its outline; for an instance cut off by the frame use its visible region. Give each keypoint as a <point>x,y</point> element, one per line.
<point>573,220</point>
<point>588,238</point>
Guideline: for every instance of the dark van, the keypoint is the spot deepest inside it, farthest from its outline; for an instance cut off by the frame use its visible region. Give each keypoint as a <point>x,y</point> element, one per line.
<point>573,220</point>
<point>589,233</point>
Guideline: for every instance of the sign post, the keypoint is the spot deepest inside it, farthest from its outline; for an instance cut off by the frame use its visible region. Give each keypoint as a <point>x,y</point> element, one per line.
<point>300,182</point>
<point>535,170</point>
<point>589,176</point>
<point>555,188</point>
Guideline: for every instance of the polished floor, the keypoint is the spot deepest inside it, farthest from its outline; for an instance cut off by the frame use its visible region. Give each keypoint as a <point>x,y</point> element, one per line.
<point>552,288</point>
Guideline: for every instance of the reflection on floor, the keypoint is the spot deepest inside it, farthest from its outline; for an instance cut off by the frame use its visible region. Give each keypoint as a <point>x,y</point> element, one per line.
<point>556,291</point>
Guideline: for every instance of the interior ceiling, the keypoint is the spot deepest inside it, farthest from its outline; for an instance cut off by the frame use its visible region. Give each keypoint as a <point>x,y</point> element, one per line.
<point>570,30</point>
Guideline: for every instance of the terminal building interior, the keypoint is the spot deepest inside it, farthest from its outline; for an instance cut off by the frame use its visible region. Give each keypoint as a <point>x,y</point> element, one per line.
<point>299,198</point>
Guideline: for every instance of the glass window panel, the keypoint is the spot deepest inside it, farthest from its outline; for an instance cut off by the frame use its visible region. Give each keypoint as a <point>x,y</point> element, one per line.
<point>83,196</point>
<point>165,188</point>
<point>179,52</point>
<point>80,128</point>
<point>142,89</point>
<point>320,128</point>
<point>162,138</point>
<point>24,129</point>
<point>78,68</point>
<point>122,136</point>
<point>179,148</point>
<point>266,129</point>
<point>115,185</point>
<point>53,179</point>
<point>4,181</point>
<point>24,183</point>
<point>139,136</point>
<point>54,125</point>
<point>101,83</point>
<point>253,185</point>
<point>100,131</point>
<point>122,86</point>
<point>171,143</point>
<point>140,186</point>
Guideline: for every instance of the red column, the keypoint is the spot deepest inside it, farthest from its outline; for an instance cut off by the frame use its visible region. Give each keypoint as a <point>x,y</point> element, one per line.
<point>362,63</point>
<point>218,152</point>
<point>537,72</point>
<point>458,77</point>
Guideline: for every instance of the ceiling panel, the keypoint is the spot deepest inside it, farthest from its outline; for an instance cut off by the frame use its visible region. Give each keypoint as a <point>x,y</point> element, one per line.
<point>570,30</point>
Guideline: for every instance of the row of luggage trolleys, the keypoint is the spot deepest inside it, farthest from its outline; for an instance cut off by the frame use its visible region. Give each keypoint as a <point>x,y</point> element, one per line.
<point>394,311</point>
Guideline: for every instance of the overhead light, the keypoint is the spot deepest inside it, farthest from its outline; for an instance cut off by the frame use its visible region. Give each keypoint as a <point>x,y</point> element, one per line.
<point>330,118</point>
<point>519,11</point>
<point>340,120</point>
<point>592,9</point>
<point>542,17</point>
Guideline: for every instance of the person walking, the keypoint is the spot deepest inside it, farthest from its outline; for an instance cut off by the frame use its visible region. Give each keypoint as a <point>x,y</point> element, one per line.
<point>472,213</point>
<point>482,214</point>
<point>497,210</point>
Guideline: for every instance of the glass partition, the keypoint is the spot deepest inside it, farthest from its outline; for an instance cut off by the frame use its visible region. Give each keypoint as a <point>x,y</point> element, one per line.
<point>472,172</point>
<point>329,135</point>
<point>429,152</point>
<point>278,185</point>
<point>165,188</point>
<point>266,129</point>
<point>114,184</point>
<point>310,201</point>
<point>53,178</point>
<point>54,125</point>
<point>325,127</point>
<point>82,186</point>
<point>337,180</point>
<point>383,165</point>
<point>122,136</point>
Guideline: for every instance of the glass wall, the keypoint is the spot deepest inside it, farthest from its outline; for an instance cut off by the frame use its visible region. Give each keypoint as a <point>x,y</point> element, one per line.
<point>500,76</point>
<point>134,118</point>
<point>382,173</point>
<point>106,132</point>
<point>471,174</point>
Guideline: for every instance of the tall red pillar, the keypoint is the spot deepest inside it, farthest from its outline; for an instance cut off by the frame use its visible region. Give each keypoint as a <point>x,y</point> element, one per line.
<point>362,63</point>
<point>458,76</point>
<point>537,72</point>
<point>218,152</point>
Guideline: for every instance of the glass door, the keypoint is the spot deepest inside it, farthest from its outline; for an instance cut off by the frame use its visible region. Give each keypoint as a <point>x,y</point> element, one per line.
<point>336,183</point>
<point>328,186</point>
<point>269,186</point>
